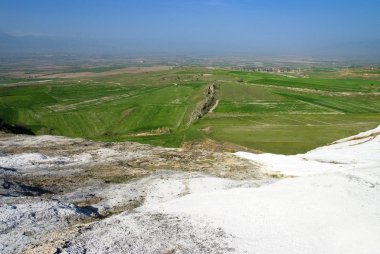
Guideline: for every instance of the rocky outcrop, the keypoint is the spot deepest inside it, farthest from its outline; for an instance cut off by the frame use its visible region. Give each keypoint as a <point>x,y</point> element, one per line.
<point>207,104</point>
<point>61,195</point>
<point>54,189</point>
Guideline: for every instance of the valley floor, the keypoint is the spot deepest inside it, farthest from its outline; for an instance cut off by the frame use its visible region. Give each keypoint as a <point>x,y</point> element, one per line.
<point>75,196</point>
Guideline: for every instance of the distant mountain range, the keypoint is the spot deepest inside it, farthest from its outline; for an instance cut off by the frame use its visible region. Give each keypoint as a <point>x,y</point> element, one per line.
<point>11,44</point>
<point>362,49</point>
<point>28,44</point>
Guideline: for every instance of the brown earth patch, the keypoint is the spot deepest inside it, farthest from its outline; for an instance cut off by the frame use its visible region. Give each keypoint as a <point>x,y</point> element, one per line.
<point>131,70</point>
<point>156,132</point>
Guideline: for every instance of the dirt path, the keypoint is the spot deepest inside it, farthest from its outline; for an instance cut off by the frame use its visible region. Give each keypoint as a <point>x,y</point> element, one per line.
<point>315,91</point>
<point>214,107</point>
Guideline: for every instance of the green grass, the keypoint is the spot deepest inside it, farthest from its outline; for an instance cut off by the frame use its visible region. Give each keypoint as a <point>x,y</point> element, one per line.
<point>283,133</point>
<point>266,112</point>
<point>7,80</point>
<point>102,109</point>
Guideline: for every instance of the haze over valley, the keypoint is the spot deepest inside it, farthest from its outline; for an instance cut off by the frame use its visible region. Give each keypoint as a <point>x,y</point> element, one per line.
<point>197,126</point>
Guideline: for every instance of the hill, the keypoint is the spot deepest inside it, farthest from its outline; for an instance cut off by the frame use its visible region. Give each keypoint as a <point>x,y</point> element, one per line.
<point>73,195</point>
<point>282,112</point>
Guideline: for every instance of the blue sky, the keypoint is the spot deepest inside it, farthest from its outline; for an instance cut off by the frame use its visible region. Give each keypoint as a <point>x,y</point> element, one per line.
<point>198,24</point>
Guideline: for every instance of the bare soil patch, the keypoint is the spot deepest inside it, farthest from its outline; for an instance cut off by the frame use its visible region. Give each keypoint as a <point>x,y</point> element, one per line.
<point>131,70</point>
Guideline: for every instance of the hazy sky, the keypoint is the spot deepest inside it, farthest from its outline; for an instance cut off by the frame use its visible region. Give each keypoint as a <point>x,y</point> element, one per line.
<point>198,24</point>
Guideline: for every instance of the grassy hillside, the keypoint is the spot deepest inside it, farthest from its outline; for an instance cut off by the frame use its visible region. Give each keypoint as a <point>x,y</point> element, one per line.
<point>262,111</point>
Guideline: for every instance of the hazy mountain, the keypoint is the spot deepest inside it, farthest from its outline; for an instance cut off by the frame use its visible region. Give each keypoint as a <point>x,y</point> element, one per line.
<point>35,44</point>
<point>359,49</point>
<point>53,44</point>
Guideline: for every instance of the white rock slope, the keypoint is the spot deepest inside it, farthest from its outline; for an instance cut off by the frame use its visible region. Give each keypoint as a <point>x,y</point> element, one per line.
<point>328,202</point>
<point>334,207</point>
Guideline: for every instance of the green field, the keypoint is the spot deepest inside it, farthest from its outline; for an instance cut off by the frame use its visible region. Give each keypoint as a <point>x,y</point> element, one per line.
<point>262,111</point>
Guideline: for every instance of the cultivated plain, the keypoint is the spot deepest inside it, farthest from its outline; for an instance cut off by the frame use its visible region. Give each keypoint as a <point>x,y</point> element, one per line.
<point>285,112</point>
